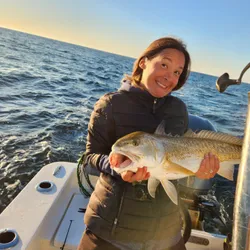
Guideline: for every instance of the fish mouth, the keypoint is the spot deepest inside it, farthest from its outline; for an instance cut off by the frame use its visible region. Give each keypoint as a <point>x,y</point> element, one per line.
<point>120,160</point>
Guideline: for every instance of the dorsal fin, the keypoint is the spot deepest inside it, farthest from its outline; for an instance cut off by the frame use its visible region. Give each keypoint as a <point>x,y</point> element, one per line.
<point>216,136</point>
<point>160,130</point>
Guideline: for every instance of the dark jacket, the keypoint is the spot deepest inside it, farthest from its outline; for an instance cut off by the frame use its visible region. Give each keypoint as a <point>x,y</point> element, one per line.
<point>117,209</point>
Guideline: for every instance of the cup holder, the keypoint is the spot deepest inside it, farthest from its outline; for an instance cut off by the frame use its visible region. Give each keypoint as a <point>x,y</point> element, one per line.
<point>8,238</point>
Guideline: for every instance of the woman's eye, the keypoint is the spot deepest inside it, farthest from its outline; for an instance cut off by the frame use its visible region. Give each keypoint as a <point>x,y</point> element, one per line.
<point>164,65</point>
<point>177,73</point>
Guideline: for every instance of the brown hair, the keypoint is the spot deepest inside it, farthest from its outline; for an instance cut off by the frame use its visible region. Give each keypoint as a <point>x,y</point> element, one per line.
<point>153,50</point>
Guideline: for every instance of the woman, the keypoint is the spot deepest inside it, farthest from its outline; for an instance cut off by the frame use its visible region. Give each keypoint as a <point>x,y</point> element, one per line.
<point>121,214</point>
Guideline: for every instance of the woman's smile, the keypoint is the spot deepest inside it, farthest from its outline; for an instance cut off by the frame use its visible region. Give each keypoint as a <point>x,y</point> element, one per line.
<point>161,85</point>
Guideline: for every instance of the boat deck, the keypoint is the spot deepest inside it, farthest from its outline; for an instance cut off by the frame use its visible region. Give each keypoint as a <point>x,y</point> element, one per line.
<point>49,217</point>
<point>71,227</point>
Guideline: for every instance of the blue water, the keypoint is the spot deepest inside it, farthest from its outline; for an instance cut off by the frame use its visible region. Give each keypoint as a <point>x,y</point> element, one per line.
<point>47,92</point>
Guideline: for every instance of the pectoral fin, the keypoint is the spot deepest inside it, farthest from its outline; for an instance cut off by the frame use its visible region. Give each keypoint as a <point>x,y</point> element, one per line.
<point>177,169</point>
<point>170,190</point>
<point>227,169</point>
<point>152,185</point>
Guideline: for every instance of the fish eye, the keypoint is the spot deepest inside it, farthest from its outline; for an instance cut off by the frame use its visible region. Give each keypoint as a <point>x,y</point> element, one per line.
<point>135,143</point>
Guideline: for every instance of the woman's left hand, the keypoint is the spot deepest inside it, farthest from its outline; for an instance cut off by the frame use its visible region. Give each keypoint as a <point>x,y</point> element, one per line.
<point>209,167</point>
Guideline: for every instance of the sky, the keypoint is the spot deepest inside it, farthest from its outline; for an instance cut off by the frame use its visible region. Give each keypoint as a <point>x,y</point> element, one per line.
<point>217,33</point>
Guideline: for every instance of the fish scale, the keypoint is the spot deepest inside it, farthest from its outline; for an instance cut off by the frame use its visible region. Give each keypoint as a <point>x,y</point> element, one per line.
<point>180,148</point>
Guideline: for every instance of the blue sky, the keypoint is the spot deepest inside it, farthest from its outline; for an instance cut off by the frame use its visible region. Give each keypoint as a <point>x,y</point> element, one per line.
<point>217,33</point>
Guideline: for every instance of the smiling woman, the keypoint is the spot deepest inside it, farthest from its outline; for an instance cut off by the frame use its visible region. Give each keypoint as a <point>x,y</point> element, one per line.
<point>117,217</point>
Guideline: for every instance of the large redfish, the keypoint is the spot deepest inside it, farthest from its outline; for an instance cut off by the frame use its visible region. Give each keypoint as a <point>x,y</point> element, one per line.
<point>169,158</point>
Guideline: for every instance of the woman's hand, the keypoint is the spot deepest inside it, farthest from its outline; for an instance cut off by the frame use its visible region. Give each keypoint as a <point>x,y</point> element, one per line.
<point>140,175</point>
<point>209,167</point>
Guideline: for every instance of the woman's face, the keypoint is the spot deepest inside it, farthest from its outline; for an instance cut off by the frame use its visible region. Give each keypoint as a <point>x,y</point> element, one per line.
<point>161,73</point>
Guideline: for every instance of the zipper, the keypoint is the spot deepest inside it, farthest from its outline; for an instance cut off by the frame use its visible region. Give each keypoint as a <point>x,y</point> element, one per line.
<point>118,213</point>
<point>154,105</point>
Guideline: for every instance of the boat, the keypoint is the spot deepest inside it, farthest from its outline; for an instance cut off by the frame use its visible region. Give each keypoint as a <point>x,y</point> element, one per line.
<point>48,213</point>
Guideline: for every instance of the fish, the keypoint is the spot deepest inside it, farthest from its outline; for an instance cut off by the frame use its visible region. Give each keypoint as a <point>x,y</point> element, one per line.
<point>170,157</point>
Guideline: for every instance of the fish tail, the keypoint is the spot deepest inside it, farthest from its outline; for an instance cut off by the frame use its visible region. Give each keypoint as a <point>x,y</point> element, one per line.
<point>226,169</point>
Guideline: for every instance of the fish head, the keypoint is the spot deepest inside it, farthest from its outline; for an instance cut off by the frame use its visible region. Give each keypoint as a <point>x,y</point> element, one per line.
<point>134,150</point>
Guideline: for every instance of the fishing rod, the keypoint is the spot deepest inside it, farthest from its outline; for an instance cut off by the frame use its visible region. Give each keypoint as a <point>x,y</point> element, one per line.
<point>241,219</point>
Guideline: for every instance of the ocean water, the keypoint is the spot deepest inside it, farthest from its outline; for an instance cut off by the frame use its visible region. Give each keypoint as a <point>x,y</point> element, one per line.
<point>47,92</point>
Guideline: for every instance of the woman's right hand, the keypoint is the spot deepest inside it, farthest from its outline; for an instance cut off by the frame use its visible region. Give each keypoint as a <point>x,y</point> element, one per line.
<point>140,175</point>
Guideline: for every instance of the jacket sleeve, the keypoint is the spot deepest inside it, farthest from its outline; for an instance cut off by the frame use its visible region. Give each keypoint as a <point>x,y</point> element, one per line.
<point>101,136</point>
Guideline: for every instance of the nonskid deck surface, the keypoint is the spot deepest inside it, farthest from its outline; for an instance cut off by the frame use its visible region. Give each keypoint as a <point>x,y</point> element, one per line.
<point>72,226</point>
<point>54,219</point>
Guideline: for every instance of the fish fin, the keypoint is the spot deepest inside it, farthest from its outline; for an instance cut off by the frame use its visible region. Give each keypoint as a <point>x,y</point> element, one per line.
<point>170,166</point>
<point>170,190</point>
<point>191,164</point>
<point>227,169</point>
<point>215,136</point>
<point>175,168</point>
<point>152,185</point>
<point>160,130</point>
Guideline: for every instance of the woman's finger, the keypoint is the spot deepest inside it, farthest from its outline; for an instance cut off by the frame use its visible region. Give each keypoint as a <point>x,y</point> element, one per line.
<point>127,176</point>
<point>201,173</point>
<point>212,169</point>
<point>214,165</point>
<point>139,174</point>
<point>204,170</point>
<point>147,174</point>
<point>144,173</point>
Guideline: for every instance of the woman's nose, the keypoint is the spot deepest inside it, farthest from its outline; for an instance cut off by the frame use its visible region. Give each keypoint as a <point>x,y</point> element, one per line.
<point>168,75</point>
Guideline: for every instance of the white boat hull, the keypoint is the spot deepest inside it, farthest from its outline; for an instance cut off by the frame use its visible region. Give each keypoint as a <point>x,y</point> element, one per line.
<point>50,220</point>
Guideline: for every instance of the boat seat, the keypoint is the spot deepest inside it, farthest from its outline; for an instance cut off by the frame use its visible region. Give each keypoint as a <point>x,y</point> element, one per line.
<point>72,226</point>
